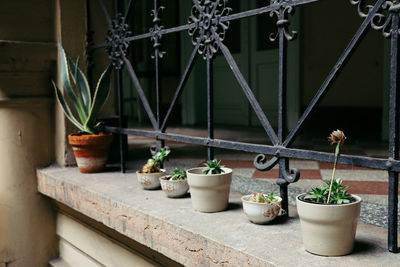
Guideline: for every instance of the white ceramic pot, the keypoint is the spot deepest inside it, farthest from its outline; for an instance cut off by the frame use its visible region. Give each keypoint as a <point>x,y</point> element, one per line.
<point>327,229</point>
<point>209,193</point>
<point>260,213</point>
<point>174,188</point>
<point>150,180</point>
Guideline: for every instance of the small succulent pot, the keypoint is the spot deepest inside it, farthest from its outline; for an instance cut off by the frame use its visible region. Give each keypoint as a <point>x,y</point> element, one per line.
<point>260,213</point>
<point>209,193</point>
<point>328,229</point>
<point>150,180</point>
<point>91,150</point>
<point>174,188</point>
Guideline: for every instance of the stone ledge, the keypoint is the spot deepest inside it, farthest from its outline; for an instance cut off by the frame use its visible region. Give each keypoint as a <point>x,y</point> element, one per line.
<point>172,228</point>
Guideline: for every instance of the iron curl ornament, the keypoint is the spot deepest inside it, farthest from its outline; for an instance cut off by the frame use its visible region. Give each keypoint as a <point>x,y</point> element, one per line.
<point>155,32</point>
<point>283,22</point>
<point>381,20</point>
<point>116,41</point>
<point>206,18</point>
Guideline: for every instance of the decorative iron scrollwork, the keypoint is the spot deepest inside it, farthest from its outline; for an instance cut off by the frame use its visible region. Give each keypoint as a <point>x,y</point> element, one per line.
<point>116,43</point>
<point>382,19</point>
<point>261,163</point>
<point>156,32</point>
<point>289,177</point>
<point>206,17</point>
<point>282,23</point>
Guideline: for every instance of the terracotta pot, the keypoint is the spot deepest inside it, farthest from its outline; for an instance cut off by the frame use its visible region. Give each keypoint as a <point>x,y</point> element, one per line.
<point>174,188</point>
<point>328,229</point>
<point>260,213</point>
<point>209,193</point>
<point>91,150</point>
<point>150,180</point>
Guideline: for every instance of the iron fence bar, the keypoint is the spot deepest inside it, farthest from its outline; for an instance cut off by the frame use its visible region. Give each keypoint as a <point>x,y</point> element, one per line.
<point>121,137</point>
<point>120,95</point>
<point>394,134</point>
<point>182,82</point>
<point>128,10</point>
<point>104,10</point>
<point>266,9</point>
<point>285,152</point>
<point>140,91</point>
<point>247,91</point>
<point>283,162</point>
<point>89,42</point>
<point>156,38</point>
<point>210,107</point>
<point>360,34</point>
<point>163,32</point>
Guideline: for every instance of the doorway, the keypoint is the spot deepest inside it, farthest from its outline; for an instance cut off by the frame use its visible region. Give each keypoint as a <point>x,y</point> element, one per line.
<point>257,59</point>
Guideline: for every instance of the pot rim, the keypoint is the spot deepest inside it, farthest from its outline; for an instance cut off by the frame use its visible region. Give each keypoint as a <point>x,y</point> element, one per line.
<point>162,178</point>
<point>278,198</point>
<point>358,200</point>
<point>140,172</point>
<point>227,171</point>
<point>79,134</point>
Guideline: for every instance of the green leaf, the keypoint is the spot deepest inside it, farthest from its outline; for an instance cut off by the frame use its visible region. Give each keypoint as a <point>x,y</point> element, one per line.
<point>66,109</point>
<point>82,86</point>
<point>213,167</point>
<point>100,96</point>
<point>66,83</point>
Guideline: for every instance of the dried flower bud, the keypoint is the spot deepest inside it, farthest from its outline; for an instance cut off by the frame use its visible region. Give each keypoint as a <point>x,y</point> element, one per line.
<point>337,137</point>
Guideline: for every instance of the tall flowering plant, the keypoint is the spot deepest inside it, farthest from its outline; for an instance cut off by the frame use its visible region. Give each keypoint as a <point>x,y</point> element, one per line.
<point>337,137</point>
<point>333,191</point>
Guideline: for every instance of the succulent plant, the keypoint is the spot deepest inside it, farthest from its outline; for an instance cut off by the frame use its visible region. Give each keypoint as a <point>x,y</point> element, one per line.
<point>178,175</point>
<point>339,194</point>
<point>87,107</point>
<point>154,164</point>
<point>270,198</point>
<point>213,167</point>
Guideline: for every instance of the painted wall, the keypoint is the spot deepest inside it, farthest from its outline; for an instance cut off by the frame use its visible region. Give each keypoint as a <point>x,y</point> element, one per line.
<point>27,61</point>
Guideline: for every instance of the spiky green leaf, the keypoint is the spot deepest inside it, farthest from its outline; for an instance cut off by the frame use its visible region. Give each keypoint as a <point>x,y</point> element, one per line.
<point>100,96</point>
<point>66,83</point>
<point>82,86</point>
<point>66,109</point>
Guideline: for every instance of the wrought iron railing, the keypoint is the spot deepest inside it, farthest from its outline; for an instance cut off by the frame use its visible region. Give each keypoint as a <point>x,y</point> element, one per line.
<point>207,24</point>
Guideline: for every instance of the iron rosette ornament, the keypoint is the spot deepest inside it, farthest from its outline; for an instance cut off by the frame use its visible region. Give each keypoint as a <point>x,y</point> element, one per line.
<point>206,18</point>
<point>116,41</point>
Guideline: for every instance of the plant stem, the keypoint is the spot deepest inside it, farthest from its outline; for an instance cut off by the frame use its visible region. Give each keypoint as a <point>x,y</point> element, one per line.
<point>337,151</point>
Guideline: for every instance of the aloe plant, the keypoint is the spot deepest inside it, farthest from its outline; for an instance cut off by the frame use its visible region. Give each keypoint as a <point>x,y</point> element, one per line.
<point>87,107</point>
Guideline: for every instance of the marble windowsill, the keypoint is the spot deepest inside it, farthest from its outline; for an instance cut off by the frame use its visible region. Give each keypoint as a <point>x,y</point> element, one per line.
<point>172,228</point>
